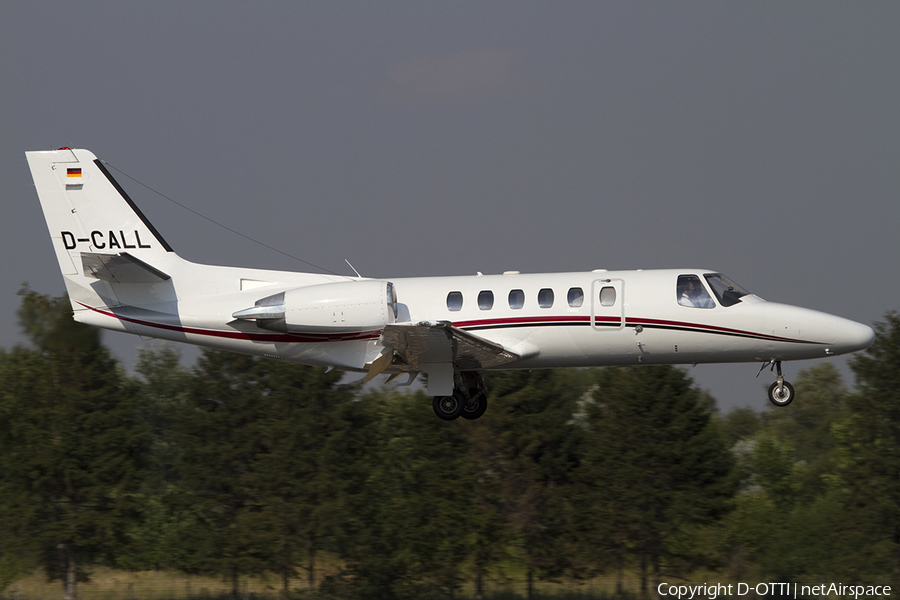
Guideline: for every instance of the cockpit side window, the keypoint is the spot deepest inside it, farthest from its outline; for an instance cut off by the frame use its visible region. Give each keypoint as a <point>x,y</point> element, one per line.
<point>690,292</point>
<point>728,292</point>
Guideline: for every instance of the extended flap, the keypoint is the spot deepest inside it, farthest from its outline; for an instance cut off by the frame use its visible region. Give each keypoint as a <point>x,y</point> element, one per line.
<point>440,342</point>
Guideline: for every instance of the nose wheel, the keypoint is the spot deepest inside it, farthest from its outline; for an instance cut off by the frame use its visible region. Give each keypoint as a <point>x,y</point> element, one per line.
<point>781,393</point>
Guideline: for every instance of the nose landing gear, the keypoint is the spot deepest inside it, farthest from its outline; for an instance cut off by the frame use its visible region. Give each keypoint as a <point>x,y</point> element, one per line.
<point>781,393</point>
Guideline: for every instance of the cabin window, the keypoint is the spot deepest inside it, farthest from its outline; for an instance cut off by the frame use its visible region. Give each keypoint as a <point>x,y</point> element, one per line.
<point>575,297</point>
<point>454,301</point>
<point>486,300</point>
<point>690,292</point>
<point>516,299</point>
<point>607,296</point>
<point>545,298</point>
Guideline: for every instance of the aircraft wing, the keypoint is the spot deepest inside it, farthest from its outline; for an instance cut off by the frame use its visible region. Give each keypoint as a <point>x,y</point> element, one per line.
<point>419,344</point>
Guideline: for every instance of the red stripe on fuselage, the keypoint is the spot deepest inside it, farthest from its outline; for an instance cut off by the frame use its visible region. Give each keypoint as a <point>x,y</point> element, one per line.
<point>240,335</point>
<point>509,322</point>
<point>485,323</point>
<point>476,324</point>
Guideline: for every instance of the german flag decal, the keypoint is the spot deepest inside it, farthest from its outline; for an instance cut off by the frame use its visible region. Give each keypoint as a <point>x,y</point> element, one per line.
<point>76,172</point>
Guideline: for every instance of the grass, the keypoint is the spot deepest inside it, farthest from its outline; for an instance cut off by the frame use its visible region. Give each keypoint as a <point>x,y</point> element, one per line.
<point>110,584</point>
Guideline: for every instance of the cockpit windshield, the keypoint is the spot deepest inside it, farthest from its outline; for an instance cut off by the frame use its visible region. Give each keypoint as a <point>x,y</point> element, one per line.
<point>728,292</point>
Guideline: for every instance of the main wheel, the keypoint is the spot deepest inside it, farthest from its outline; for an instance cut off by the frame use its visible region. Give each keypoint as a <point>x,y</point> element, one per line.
<point>448,407</point>
<point>783,397</point>
<point>475,406</point>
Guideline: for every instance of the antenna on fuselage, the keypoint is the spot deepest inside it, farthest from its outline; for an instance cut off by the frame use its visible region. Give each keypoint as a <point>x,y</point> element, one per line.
<point>354,268</point>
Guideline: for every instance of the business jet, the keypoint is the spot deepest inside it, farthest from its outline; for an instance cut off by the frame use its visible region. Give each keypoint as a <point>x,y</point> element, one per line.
<point>121,274</point>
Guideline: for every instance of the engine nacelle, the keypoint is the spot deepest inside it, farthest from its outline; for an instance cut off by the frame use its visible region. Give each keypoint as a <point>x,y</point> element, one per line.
<point>343,307</point>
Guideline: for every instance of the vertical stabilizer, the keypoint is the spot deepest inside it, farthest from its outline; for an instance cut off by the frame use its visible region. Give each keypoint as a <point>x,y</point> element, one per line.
<point>102,240</point>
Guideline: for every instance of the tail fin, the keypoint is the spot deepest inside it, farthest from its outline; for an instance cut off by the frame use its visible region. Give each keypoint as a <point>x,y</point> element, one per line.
<point>100,237</point>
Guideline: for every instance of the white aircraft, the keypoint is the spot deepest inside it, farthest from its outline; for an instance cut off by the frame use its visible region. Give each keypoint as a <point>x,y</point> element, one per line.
<point>121,275</point>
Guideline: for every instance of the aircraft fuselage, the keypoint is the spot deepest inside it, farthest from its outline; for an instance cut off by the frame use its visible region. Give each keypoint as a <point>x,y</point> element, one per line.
<point>121,275</point>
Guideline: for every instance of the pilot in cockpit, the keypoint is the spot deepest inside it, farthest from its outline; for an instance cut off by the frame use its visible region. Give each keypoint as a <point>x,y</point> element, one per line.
<point>692,293</point>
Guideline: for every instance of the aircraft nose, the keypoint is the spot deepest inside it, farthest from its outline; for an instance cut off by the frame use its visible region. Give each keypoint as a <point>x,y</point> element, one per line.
<point>822,331</point>
<point>851,336</point>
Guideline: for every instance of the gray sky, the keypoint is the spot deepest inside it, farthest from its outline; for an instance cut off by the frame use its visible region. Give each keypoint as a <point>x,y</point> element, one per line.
<point>759,139</point>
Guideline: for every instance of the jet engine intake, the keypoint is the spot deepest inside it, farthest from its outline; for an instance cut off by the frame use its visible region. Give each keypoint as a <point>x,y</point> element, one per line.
<point>343,307</point>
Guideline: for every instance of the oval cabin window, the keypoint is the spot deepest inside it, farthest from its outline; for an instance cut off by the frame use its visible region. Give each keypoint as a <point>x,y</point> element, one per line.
<point>516,299</point>
<point>454,301</point>
<point>486,300</point>
<point>575,297</point>
<point>607,296</point>
<point>545,298</point>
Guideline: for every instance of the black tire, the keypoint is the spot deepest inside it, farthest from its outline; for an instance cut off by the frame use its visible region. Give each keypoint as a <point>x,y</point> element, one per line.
<point>474,407</point>
<point>785,397</point>
<point>448,408</point>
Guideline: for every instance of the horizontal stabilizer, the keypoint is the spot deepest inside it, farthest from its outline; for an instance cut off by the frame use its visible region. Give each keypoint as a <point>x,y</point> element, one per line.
<point>120,268</point>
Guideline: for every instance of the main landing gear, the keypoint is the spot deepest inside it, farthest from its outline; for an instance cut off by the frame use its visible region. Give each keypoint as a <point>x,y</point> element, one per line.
<point>781,393</point>
<point>469,399</point>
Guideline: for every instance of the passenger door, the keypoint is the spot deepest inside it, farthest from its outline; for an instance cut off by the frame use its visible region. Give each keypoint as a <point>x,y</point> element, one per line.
<point>608,304</point>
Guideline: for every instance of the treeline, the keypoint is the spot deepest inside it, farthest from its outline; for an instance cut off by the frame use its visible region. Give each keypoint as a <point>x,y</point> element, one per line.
<point>241,466</point>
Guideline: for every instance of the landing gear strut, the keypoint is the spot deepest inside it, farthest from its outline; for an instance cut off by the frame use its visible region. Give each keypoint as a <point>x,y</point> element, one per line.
<point>781,393</point>
<point>469,399</point>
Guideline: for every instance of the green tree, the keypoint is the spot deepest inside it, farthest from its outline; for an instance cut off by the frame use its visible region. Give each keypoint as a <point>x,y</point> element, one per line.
<point>869,451</point>
<point>487,515</point>
<point>535,453</point>
<point>165,388</point>
<point>72,446</point>
<point>412,527</point>
<point>653,471</point>
<point>154,539</point>
<point>807,427</point>
<point>253,436</point>
<point>788,520</point>
<point>738,424</point>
